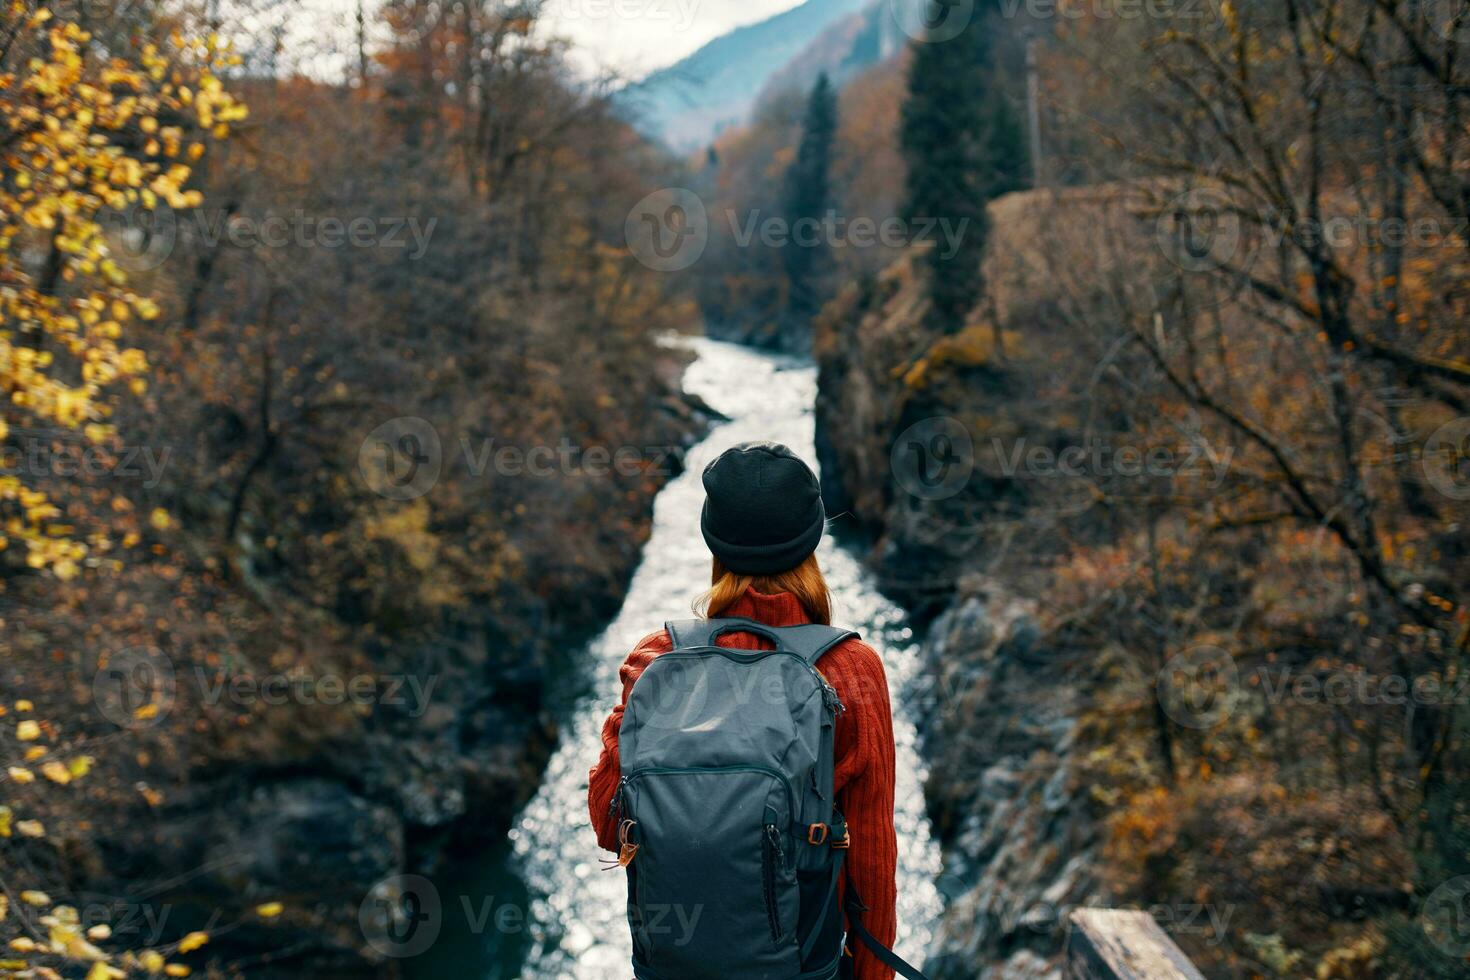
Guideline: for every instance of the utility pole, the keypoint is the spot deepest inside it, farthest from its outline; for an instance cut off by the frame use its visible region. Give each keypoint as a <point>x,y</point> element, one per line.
<point>1033,106</point>
<point>362,64</point>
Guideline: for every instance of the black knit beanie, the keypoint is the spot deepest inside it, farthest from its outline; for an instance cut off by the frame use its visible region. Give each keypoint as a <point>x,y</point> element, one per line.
<point>763,510</point>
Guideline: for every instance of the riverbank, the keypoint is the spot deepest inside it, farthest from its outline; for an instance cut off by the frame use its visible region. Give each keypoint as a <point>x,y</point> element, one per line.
<point>1110,637</point>
<point>270,746</point>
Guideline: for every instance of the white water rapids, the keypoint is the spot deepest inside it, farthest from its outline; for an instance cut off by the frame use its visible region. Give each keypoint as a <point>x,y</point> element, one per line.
<point>573,925</point>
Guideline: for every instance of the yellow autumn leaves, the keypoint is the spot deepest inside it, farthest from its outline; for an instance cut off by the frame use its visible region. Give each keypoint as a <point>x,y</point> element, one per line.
<point>64,936</point>
<point>83,134</point>
<point>54,770</point>
<point>56,929</point>
<point>26,828</point>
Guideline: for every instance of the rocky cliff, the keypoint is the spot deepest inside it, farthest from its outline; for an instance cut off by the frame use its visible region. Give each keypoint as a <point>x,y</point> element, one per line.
<point>899,408</point>
<point>1032,488</point>
<point>1004,789</point>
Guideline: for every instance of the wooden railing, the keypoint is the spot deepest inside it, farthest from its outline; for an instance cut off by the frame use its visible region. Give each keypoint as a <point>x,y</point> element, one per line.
<point>1118,944</point>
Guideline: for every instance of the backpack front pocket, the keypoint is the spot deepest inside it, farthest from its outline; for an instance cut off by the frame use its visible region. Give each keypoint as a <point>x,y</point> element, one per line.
<point>715,898</point>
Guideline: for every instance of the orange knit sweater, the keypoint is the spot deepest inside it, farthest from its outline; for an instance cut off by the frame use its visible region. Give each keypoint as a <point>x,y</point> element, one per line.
<point>864,754</point>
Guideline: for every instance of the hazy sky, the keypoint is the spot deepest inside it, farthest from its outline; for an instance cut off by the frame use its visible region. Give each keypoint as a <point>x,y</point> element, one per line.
<point>633,37</point>
<point>630,37</point>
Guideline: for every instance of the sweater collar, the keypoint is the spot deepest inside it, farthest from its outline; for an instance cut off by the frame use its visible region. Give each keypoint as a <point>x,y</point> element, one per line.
<point>780,609</point>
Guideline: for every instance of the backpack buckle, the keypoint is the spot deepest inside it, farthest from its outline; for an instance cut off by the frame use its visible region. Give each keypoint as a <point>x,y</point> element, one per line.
<point>816,833</point>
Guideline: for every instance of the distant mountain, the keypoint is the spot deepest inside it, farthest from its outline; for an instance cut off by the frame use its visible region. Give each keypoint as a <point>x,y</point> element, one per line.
<point>845,49</point>
<point>689,102</point>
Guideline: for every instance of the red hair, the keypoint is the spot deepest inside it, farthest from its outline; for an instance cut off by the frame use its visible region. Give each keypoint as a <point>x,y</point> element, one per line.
<point>805,581</point>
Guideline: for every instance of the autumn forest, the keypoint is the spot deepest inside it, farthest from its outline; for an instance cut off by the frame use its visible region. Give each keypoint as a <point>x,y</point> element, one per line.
<point>346,348</point>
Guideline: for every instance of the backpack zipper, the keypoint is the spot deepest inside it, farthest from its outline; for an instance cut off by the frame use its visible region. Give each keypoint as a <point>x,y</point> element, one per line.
<point>829,696</point>
<point>615,805</point>
<point>771,852</point>
<point>663,770</point>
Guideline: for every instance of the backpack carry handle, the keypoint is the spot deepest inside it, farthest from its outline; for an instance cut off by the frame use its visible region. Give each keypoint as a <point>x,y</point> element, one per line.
<point>809,640</point>
<point>742,626</point>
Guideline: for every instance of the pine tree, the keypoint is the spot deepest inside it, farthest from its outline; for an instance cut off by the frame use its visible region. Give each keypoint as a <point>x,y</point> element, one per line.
<point>806,200</point>
<point>964,145</point>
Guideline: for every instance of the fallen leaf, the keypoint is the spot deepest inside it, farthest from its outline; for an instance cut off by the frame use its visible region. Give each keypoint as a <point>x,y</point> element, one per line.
<point>56,772</point>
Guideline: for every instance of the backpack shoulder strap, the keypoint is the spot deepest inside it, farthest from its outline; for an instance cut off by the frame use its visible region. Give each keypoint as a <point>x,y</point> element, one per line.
<point>692,632</point>
<point>809,640</point>
<point>855,909</point>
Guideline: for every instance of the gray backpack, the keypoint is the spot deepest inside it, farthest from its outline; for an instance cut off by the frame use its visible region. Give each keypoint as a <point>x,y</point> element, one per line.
<point>730,837</point>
